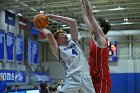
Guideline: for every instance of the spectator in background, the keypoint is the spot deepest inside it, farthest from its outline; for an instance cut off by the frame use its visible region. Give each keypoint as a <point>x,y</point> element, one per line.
<point>36,86</point>
<point>3,86</point>
<point>52,89</point>
<point>60,85</point>
<point>9,87</point>
<point>15,88</point>
<point>44,88</point>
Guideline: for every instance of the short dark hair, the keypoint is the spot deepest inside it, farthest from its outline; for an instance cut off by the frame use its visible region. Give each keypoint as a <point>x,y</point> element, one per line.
<point>104,23</point>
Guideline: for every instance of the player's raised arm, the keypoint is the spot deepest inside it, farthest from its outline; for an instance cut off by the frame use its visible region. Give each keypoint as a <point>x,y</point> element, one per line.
<point>52,42</point>
<point>93,27</point>
<point>41,22</point>
<point>71,22</point>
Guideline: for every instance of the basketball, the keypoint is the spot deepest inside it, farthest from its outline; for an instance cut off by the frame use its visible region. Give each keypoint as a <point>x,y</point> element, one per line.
<point>40,21</point>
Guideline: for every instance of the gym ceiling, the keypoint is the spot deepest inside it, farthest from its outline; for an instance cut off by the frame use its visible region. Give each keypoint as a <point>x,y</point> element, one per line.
<point>122,14</point>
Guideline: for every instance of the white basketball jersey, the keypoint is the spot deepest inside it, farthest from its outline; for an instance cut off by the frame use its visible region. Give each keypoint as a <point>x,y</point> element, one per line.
<point>73,59</point>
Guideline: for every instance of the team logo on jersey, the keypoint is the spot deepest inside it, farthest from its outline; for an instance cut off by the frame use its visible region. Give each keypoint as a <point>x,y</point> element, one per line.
<point>65,49</point>
<point>74,52</point>
<point>71,46</point>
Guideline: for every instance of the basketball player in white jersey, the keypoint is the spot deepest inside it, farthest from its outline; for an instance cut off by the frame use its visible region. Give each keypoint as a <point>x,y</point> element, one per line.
<point>69,53</point>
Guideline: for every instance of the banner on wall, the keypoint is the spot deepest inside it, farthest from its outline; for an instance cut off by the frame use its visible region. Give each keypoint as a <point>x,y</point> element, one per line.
<point>2,41</point>
<point>113,51</point>
<point>9,18</point>
<point>33,30</point>
<point>30,48</point>
<point>32,51</point>
<point>22,23</point>
<point>13,76</point>
<point>10,46</point>
<point>35,52</point>
<point>40,76</point>
<point>19,48</point>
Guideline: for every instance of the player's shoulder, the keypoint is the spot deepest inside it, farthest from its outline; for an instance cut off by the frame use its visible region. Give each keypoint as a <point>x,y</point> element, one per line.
<point>101,42</point>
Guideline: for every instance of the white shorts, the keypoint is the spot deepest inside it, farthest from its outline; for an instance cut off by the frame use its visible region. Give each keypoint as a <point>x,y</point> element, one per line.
<point>78,84</point>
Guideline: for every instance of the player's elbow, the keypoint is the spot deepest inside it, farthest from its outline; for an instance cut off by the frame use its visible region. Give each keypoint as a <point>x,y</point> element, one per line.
<point>73,21</point>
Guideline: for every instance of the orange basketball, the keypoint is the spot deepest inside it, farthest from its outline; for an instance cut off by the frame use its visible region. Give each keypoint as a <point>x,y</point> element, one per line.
<point>40,21</point>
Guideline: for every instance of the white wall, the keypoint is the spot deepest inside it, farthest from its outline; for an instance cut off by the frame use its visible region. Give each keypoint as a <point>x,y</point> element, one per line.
<point>56,69</point>
<point>122,66</point>
<point>137,65</point>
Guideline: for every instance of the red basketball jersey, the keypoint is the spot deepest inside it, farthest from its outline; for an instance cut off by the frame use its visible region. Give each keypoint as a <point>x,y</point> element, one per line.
<point>98,61</point>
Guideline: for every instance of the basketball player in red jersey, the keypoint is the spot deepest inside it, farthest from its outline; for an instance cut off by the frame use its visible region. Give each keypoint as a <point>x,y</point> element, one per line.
<point>98,55</point>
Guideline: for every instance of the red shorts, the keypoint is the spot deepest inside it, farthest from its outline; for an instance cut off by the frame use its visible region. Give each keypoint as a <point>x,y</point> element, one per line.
<point>101,86</point>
